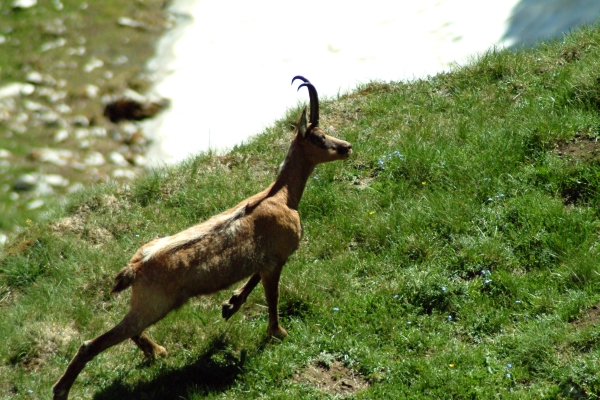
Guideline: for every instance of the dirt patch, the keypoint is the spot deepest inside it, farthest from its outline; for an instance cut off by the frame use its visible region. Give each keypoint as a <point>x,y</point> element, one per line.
<point>41,340</point>
<point>332,378</point>
<point>589,317</point>
<point>582,147</point>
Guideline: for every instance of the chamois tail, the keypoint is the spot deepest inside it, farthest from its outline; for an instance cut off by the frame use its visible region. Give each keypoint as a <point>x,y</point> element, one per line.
<point>123,280</point>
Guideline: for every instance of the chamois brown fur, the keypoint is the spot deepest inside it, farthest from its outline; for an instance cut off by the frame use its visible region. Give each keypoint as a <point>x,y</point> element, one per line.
<point>253,239</point>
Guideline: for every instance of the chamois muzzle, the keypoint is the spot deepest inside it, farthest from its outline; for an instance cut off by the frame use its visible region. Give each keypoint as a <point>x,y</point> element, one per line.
<point>345,150</point>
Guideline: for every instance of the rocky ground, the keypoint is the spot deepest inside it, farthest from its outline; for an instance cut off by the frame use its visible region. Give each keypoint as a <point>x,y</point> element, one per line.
<point>71,73</point>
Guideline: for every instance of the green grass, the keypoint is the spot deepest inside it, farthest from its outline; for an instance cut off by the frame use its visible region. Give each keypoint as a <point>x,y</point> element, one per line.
<point>455,255</point>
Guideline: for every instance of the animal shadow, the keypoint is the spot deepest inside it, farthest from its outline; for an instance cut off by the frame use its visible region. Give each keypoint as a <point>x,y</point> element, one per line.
<point>206,375</point>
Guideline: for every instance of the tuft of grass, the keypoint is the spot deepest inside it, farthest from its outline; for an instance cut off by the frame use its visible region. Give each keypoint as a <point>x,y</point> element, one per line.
<point>454,255</point>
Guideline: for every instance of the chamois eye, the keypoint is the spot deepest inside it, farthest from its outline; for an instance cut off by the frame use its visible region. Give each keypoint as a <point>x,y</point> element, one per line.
<point>318,139</point>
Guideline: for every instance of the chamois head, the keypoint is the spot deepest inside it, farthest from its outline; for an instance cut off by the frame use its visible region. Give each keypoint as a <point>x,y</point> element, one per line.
<point>319,147</point>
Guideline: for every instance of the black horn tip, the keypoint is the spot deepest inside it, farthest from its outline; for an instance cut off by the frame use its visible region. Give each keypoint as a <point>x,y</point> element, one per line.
<point>303,79</point>
<point>305,85</point>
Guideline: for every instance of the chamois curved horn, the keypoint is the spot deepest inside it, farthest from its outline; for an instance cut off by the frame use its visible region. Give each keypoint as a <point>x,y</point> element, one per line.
<point>314,103</point>
<point>303,79</point>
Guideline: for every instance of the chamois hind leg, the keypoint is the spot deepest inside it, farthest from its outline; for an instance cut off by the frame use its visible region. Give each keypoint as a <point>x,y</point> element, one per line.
<point>130,326</point>
<point>150,348</point>
<point>239,297</point>
<point>270,280</point>
<point>147,307</point>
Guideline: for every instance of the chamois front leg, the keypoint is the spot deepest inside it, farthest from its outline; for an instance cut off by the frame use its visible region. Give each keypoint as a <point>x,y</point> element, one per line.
<point>270,280</point>
<point>239,297</point>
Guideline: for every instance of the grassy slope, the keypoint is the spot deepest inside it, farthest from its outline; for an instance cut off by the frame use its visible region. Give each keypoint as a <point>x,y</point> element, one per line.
<point>454,256</point>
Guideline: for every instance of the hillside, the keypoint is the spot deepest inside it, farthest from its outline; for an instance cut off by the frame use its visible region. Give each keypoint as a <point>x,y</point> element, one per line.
<point>454,255</point>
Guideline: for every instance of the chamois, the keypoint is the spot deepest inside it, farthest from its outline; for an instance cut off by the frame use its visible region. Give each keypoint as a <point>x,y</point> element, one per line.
<point>254,238</point>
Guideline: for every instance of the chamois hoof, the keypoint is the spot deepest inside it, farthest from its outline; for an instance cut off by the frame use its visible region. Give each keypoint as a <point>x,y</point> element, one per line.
<point>227,310</point>
<point>157,351</point>
<point>160,352</point>
<point>59,394</point>
<point>278,333</point>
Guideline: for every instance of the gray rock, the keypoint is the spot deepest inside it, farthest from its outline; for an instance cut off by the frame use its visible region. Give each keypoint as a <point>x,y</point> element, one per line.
<point>61,136</point>
<point>131,23</point>
<point>24,3</point>
<point>59,157</point>
<point>54,180</point>
<point>37,203</point>
<point>34,77</point>
<point>94,159</point>
<point>118,159</point>
<point>93,64</point>
<point>121,173</point>
<point>80,120</point>
<point>25,183</point>
<point>53,44</point>
<point>16,89</point>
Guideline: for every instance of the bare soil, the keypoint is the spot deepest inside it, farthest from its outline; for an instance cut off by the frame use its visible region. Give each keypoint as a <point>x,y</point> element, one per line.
<point>583,147</point>
<point>334,379</point>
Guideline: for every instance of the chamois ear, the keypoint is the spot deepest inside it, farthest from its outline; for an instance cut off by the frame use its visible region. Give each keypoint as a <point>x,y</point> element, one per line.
<point>301,126</point>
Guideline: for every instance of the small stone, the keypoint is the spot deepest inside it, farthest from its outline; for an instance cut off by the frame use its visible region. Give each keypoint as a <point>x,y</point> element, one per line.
<point>27,89</point>
<point>76,51</point>
<point>91,91</point>
<point>50,94</point>
<point>76,165</point>
<point>63,108</point>
<point>131,23</point>
<point>33,106</point>
<point>53,45</point>
<point>61,136</point>
<point>16,89</point>
<point>5,153</point>
<point>120,60</point>
<point>57,157</point>
<point>25,183</point>
<point>55,180</point>
<point>129,128</point>
<point>44,189</point>
<point>24,3</point>
<point>21,117</point>
<point>50,118</point>
<point>82,133</point>
<point>117,159</point>
<point>139,160</point>
<point>34,77</point>
<point>123,174</point>
<point>94,159</point>
<point>80,120</point>
<point>32,205</point>
<point>98,131</point>
<point>3,239</point>
<point>93,64</point>
<point>55,27</point>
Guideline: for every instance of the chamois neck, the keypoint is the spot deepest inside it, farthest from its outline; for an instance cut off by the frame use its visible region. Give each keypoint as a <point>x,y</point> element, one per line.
<point>292,177</point>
